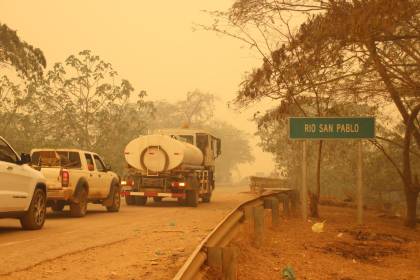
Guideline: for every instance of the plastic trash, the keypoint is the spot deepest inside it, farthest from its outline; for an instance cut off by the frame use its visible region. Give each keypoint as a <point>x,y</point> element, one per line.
<point>159,253</point>
<point>318,227</point>
<point>288,273</point>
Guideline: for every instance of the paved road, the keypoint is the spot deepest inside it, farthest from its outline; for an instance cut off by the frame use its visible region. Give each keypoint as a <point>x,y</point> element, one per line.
<point>149,242</point>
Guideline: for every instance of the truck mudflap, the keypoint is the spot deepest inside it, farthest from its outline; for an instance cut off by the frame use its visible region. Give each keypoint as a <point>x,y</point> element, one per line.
<point>155,194</point>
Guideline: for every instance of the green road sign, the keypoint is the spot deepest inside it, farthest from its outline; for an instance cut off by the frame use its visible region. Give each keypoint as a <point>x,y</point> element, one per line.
<point>332,128</point>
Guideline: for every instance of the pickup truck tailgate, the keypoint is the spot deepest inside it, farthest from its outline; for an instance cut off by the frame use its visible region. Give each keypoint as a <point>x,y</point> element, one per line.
<point>52,175</point>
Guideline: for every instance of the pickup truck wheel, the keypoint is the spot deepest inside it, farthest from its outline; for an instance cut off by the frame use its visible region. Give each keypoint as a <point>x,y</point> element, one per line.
<point>207,197</point>
<point>116,202</point>
<point>129,200</point>
<point>181,201</point>
<point>192,198</point>
<point>140,200</point>
<point>58,206</point>
<point>34,218</point>
<point>79,209</point>
<point>157,199</point>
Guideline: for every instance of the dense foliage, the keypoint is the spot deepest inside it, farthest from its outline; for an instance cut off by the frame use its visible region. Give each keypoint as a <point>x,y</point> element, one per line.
<point>27,60</point>
<point>83,103</point>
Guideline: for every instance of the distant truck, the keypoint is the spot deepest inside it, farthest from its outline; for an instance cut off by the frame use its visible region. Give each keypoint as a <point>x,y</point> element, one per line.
<point>171,163</point>
<point>75,177</point>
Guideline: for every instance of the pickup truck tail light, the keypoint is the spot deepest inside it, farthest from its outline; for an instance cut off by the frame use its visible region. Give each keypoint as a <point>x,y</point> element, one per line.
<point>65,178</point>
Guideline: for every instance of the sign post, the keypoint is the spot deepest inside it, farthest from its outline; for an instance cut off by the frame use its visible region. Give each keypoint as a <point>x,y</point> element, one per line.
<point>324,128</point>
<point>359,184</point>
<point>304,192</point>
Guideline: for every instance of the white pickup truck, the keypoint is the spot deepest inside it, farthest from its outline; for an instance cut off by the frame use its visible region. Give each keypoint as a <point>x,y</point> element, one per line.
<point>22,189</point>
<point>75,177</point>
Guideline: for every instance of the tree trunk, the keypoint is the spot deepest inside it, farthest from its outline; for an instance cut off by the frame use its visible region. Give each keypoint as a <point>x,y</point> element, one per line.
<point>411,186</point>
<point>411,199</point>
<point>314,197</point>
<point>411,189</point>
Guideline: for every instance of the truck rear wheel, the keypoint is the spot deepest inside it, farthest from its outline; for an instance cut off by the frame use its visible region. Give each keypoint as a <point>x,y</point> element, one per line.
<point>181,201</point>
<point>141,200</point>
<point>207,197</point>
<point>79,209</point>
<point>192,198</point>
<point>130,200</point>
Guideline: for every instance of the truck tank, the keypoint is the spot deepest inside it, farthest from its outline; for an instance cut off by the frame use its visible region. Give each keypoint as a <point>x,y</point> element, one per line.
<point>159,153</point>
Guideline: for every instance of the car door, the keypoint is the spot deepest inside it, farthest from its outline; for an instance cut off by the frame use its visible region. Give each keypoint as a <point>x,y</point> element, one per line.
<point>15,181</point>
<point>103,177</point>
<point>92,175</point>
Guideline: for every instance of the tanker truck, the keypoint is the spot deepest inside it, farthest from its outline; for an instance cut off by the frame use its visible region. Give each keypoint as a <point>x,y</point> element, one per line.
<point>171,163</point>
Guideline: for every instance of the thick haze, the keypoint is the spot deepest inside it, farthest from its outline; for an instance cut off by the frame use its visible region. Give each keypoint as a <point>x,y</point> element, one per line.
<point>150,43</point>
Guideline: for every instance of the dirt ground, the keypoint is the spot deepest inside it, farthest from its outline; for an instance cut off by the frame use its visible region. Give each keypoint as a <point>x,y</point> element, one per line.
<point>150,242</point>
<point>381,249</point>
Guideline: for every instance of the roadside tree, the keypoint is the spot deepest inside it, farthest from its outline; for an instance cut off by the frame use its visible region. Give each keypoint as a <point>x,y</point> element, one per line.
<point>21,66</point>
<point>90,105</point>
<point>27,60</point>
<point>341,45</point>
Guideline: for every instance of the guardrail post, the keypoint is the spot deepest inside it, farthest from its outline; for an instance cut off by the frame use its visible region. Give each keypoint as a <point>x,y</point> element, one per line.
<point>258,226</point>
<point>285,200</point>
<point>248,213</point>
<point>267,203</point>
<point>275,212</point>
<point>249,218</point>
<point>214,257</point>
<point>224,259</point>
<point>293,196</point>
<point>230,263</point>
<point>286,205</point>
<point>273,204</point>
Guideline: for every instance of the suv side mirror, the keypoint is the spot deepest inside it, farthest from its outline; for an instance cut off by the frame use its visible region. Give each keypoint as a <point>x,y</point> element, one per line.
<point>108,167</point>
<point>24,158</point>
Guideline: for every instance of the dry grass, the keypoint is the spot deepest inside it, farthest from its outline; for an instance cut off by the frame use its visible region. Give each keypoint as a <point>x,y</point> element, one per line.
<point>382,249</point>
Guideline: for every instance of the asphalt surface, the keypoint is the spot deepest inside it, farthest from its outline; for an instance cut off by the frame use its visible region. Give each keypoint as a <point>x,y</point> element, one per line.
<point>139,242</point>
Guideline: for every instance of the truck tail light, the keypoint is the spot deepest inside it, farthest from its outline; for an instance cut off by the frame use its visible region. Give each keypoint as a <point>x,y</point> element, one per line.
<point>129,182</point>
<point>179,184</point>
<point>65,178</point>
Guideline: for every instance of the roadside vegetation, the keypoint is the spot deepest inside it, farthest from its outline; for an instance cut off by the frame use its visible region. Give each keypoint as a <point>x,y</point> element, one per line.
<point>84,103</point>
<point>336,58</point>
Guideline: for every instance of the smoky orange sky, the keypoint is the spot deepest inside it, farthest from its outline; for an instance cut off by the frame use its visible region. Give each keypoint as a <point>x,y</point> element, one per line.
<point>150,43</point>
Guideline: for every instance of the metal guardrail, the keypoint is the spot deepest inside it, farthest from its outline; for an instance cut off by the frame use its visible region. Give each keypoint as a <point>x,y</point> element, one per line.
<point>259,184</point>
<point>226,230</point>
